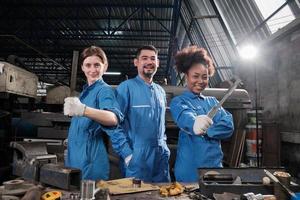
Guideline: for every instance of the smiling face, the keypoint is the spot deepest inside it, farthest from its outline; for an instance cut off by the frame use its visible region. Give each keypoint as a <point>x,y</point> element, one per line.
<point>147,64</point>
<point>197,78</point>
<point>93,68</point>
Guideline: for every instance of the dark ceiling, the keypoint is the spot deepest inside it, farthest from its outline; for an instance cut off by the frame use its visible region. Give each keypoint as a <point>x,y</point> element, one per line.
<point>42,35</point>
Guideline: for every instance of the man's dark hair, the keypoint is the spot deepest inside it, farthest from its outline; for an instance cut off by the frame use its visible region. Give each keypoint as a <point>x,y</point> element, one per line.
<point>146,47</point>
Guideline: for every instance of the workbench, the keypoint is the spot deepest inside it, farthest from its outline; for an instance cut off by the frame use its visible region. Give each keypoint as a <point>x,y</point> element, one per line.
<point>19,191</point>
<point>151,195</point>
<point>155,194</point>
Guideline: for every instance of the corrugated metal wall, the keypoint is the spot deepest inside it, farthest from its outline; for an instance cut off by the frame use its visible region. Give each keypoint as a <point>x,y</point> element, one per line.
<point>220,27</point>
<point>241,18</point>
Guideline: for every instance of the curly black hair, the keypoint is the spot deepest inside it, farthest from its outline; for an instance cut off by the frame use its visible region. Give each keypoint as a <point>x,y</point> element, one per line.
<point>191,55</point>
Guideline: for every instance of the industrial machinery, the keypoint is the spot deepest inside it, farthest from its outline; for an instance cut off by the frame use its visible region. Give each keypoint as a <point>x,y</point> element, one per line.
<point>15,82</point>
<point>238,181</point>
<point>18,81</point>
<point>32,162</point>
<point>5,138</point>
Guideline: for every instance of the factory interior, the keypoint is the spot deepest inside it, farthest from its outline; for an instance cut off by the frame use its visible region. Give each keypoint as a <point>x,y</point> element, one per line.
<point>255,48</point>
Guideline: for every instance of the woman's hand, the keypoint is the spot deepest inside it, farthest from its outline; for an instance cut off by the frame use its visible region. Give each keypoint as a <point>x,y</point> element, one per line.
<point>201,124</point>
<point>73,107</point>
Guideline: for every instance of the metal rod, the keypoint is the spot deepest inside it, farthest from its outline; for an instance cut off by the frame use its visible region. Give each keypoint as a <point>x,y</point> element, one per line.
<point>256,119</point>
<point>74,72</point>
<point>286,189</point>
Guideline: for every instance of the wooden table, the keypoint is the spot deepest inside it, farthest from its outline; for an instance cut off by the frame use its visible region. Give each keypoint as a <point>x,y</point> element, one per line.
<point>154,195</point>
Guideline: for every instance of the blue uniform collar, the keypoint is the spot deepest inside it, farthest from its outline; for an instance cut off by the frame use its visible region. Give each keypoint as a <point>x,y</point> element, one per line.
<point>88,87</point>
<point>192,95</point>
<point>138,78</point>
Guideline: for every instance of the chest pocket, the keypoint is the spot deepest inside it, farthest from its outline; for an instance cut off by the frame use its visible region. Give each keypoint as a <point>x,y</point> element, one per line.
<point>141,114</point>
<point>200,110</point>
<point>197,108</point>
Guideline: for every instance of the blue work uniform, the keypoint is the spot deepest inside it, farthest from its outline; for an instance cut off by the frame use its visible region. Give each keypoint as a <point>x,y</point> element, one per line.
<point>195,151</point>
<point>86,150</point>
<point>144,106</point>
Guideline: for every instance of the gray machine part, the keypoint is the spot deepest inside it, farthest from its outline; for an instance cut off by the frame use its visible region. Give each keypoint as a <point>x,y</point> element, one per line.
<point>60,176</point>
<point>28,157</point>
<point>15,187</point>
<point>87,189</point>
<point>15,80</point>
<point>220,180</point>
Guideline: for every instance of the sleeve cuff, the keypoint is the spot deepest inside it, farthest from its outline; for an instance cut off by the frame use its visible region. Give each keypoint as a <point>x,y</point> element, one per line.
<point>126,151</point>
<point>117,112</point>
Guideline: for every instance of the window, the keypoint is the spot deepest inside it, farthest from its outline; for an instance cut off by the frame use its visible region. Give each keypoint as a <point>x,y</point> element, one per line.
<point>281,18</point>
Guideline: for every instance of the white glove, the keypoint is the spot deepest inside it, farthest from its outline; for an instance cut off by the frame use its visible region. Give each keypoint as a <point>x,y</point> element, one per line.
<point>73,107</point>
<point>201,124</point>
<point>128,159</point>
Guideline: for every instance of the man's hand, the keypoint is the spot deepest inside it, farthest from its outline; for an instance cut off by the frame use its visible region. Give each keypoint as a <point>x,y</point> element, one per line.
<point>201,124</point>
<point>128,159</point>
<point>73,107</point>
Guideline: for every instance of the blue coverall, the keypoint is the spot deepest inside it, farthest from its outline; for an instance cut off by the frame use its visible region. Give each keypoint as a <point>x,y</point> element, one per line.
<point>143,106</point>
<point>195,151</point>
<point>86,149</point>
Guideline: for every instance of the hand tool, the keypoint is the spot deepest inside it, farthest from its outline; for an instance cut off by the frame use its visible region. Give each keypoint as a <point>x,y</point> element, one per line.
<point>214,109</point>
<point>52,195</point>
<point>286,189</point>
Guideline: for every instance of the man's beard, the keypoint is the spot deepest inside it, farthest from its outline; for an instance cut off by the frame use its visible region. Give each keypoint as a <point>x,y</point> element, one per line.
<point>149,74</point>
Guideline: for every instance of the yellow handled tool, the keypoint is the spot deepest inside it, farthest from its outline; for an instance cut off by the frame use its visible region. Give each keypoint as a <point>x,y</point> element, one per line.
<point>52,195</point>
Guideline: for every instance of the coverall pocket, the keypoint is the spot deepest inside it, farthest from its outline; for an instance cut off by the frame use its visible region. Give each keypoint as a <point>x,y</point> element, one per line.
<point>200,111</point>
<point>141,113</point>
<point>132,161</point>
<point>133,167</point>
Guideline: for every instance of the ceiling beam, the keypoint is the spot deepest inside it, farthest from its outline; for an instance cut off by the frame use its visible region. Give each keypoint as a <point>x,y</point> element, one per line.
<point>18,17</point>
<point>82,5</point>
<point>102,37</point>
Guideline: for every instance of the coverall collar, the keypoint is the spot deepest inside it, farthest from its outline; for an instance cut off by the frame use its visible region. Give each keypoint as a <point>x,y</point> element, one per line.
<point>143,82</point>
<point>192,95</point>
<point>88,87</point>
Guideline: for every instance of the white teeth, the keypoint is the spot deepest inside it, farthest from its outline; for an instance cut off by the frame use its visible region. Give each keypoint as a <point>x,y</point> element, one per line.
<point>148,66</point>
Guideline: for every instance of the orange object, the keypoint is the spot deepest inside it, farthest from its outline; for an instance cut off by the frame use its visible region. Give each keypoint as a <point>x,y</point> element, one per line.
<point>52,195</point>
<point>251,148</point>
<point>251,132</point>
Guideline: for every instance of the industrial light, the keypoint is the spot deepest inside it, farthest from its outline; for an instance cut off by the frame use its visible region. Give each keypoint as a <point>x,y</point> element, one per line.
<point>112,73</point>
<point>248,52</point>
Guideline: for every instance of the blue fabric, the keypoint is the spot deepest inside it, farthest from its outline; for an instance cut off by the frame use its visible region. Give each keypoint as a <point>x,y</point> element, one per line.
<point>194,151</point>
<point>297,197</point>
<point>143,106</point>
<point>86,149</point>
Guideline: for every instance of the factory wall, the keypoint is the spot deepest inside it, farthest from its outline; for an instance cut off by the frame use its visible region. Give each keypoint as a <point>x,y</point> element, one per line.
<point>278,88</point>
